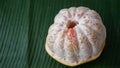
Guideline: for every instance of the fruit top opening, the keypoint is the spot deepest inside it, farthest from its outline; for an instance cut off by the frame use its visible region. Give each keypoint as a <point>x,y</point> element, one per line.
<point>71,24</point>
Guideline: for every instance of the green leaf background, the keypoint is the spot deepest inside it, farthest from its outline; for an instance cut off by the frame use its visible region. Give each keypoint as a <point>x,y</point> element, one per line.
<point>24,25</point>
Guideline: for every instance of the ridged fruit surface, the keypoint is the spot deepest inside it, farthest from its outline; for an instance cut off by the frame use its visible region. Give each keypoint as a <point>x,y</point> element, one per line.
<point>76,36</point>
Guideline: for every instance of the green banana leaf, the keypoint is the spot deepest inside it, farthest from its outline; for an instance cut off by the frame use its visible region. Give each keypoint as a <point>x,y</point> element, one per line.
<point>24,25</point>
